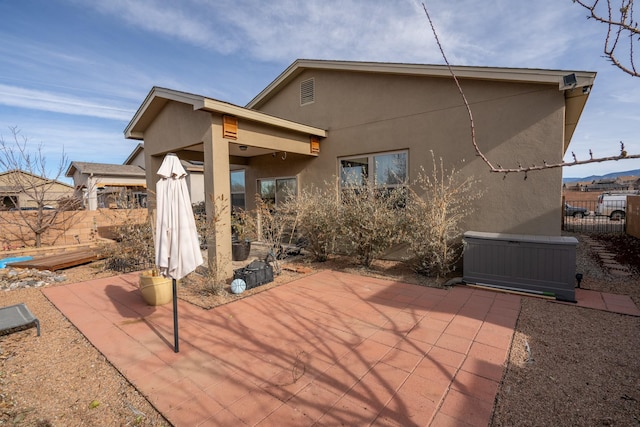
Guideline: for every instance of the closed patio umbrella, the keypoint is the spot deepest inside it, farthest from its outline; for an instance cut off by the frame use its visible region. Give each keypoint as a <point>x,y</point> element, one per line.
<point>177,247</point>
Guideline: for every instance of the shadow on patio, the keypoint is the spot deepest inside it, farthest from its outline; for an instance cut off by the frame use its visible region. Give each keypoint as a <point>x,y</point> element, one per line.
<point>330,348</point>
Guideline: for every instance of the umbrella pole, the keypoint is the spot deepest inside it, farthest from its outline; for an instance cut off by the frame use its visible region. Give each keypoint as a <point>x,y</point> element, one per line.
<point>176,347</point>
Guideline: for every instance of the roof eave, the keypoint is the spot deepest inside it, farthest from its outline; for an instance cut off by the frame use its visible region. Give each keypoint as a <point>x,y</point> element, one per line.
<point>158,98</point>
<point>70,170</point>
<point>528,75</point>
<point>213,105</point>
<point>576,98</point>
<point>139,148</point>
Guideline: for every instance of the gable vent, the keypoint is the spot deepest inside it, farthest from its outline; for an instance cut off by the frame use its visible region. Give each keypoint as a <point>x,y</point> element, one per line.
<point>307,92</point>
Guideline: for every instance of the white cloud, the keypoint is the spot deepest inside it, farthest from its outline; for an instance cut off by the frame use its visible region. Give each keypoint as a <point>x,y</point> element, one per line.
<point>231,48</point>
<point>177,20</point>
<point>285,29</point>
<point>526,34</point>
<point>79,140</point>
<point>330,30</point>
<point>14,96</point>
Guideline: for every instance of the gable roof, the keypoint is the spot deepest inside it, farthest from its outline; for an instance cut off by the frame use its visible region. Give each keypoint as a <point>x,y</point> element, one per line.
<point>575,95</point>
<point>192,165</point>
<point>105,169</point>
<point>159,97</point>
<point>31,176</point>
<point>139,148</point>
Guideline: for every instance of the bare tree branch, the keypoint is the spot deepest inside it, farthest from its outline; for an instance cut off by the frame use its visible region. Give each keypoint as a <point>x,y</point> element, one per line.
<point>26,177</point>
<point>464,98</point>
<point>621,25</point>
<point>520,169</point>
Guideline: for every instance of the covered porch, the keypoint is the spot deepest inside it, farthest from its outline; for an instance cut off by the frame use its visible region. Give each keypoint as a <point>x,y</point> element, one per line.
<point>224,137</point>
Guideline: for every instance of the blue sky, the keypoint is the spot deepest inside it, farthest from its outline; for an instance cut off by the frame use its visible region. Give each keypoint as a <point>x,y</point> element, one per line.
<point>73,72</point>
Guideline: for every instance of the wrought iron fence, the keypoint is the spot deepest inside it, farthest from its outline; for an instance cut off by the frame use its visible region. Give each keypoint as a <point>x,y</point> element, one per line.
<point>588,217</point>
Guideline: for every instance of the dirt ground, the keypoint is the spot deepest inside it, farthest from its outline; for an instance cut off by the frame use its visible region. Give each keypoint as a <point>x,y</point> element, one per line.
<point>567,365</point>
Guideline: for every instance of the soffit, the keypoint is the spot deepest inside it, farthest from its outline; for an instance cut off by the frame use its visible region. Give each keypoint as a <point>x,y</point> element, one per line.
<point>575,101</point>
<point>159,97</point>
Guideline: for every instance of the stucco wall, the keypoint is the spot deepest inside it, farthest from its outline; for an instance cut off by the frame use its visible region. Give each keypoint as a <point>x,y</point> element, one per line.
<point>195,183</point>
<point>138,160</point>
<point>369,113</point>
<point>177,126</point>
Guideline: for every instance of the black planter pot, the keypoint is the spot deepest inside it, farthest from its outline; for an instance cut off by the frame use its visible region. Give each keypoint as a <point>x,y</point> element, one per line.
<point>240,250</point>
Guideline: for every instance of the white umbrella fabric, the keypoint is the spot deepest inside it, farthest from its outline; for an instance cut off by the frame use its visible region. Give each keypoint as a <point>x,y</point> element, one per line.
<point>177,246</point>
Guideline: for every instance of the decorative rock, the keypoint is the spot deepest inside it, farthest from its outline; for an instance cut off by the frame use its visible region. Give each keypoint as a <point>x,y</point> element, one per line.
<point>20,278</point>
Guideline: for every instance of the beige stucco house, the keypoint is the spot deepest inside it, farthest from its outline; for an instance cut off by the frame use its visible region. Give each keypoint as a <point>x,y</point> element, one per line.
<point>104,185</point>
<point>21,189</point>
<point>324,119</point>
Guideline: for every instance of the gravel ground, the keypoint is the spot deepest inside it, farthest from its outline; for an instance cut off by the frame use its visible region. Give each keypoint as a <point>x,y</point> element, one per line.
<point>572,366</point>
<point>567,365</point>
<point>60,379</point>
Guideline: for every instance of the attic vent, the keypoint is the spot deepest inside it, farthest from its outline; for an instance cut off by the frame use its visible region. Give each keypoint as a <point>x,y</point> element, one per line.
<point>307,92</point>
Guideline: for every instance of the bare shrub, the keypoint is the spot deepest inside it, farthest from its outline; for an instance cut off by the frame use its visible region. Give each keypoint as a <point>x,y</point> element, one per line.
<point>243,225</point>
<point>133,249</point>
<point>275,224</point>
<point>206,227</point>
<point>438,203</point>
<point>371,220</point>
<point>317,212</point>
<point>69,203</point>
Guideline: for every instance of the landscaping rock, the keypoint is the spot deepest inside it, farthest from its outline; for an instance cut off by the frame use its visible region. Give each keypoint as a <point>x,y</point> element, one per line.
<point>19,278</point>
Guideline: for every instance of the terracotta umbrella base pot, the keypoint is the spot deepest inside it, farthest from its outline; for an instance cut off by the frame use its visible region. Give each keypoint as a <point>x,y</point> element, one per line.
<point>156,290</point>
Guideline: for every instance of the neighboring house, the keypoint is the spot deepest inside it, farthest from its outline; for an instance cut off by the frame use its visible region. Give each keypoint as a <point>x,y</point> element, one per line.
<point>380,122</point>
<point>18,188</point>
<point>136,158</point>
<point>195,178</point>
<point>608,184</point>
<point>629,182</point>
<point>102,185</point>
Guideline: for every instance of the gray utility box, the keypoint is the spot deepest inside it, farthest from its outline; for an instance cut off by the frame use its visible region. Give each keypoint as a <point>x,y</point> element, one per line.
<point>522,262</point>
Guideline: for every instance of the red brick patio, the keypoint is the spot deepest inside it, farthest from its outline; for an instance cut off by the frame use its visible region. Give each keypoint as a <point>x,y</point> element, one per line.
<point>328,349</point>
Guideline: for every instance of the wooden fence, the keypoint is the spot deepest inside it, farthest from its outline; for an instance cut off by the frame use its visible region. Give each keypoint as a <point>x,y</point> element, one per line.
<point>633,216</point>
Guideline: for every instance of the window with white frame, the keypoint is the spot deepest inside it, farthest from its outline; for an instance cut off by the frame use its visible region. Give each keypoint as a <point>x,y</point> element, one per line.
<point>277,190</point>
<point>379,170</point>
<point>237,190</point>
